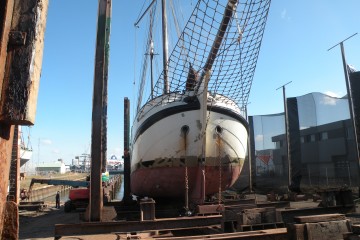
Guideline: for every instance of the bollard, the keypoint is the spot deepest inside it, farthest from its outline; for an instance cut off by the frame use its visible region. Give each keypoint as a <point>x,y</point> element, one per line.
<point>147,209</point>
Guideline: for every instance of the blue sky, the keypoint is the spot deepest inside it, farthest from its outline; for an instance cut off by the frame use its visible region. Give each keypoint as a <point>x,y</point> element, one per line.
<point>294,48</point>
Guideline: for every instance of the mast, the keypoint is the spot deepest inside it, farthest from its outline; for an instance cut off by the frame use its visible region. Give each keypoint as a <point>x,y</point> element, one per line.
<point>151,68</point>
<point>151,53</point>
<point>165,46</point>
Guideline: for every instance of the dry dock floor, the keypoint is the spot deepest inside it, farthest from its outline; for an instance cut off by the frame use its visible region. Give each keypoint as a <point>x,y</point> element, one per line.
<point>41,225</point>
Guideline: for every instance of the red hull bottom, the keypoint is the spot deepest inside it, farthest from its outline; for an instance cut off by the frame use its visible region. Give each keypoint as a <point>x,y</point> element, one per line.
<point>169,182</point>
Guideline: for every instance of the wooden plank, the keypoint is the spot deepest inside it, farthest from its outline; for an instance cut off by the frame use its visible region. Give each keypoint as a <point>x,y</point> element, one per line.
<point>271,234</point>
<point>209,209</point>
<point>268,234</point>
<point>327,230</point>
<point>23,64</point>
<point>281,204</point>
<point>239,201</point>
<point>319,218</point>
<point>289,214</point>
<point>135,226</point>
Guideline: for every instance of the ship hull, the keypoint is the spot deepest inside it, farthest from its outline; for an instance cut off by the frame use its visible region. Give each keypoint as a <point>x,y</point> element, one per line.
<point>167,150</point>
<point>170,182</point>
<point>25,155</point>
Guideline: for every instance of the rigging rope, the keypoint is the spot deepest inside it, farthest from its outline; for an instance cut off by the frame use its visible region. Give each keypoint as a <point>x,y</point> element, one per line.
<point>135,70</point>
<point>146,59</point>
<point>233,70</point>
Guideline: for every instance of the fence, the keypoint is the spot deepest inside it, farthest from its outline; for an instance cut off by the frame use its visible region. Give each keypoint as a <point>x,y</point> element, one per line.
<point>328,177</point>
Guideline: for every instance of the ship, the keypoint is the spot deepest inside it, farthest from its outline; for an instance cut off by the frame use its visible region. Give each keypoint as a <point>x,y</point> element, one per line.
<point>189,137</point>
<point>114,164</point>
<point>25,148</point>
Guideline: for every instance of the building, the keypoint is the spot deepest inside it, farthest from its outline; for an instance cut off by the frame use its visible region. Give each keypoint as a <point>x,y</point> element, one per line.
<point>55,167</point>
<point>327,154</point>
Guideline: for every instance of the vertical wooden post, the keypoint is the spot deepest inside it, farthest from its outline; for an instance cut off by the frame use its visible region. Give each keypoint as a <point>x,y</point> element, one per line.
<point>98,138</point>
<point>288,153</point>
<point>6,8</point>
<point>22,27</point>
<point>127,163</point>
<point>25,43</point>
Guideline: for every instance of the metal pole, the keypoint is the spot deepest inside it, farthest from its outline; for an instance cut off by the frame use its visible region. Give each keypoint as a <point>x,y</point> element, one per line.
<point>165,46</point>
<point>327,179</point>
<point>351,106</point>
<point>349,175</point>
<point>349,93</point>
<point>287,132</point>
<point>136,24</point>
<point>250,169</point>
<point>151,68</point>
<point>185,131</point>
<point>98,114</point>
<point>249,155</point>
<point>151,57</point>
<point>203,132</point>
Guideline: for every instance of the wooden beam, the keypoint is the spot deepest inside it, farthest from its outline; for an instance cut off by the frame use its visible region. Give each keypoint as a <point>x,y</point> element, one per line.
<point>6,8</point>
<point>127,164</point>
<point>98,137</point>
<point>136,226</point>
<point>23,64</point>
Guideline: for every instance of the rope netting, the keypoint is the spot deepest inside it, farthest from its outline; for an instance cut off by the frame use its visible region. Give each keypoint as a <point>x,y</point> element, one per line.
<point>232,67</point>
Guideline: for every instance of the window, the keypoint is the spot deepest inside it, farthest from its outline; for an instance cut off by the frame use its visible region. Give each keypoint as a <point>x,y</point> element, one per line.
<point>312,138</point>
<point>279,144</point>
<point>323,136</point>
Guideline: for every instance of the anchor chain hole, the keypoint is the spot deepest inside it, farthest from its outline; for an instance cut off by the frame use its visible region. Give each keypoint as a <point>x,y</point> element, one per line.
<point>218,129</point>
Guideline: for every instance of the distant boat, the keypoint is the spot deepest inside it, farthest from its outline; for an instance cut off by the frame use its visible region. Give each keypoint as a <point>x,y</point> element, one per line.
<point>115,163</point>
<point>25,148</point>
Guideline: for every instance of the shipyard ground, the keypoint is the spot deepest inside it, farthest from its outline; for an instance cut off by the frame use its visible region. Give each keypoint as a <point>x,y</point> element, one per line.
<point>41,224</point>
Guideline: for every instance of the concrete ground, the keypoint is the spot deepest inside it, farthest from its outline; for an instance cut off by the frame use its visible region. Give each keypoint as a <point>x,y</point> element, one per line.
<point>41,225</point>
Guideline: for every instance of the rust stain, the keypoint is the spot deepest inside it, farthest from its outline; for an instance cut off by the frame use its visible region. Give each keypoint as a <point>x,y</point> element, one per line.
<point>6,139</point>
<point>198,124</point>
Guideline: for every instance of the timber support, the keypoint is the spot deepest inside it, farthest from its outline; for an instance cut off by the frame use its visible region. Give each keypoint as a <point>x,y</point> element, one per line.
<point>99,111</point>
<point>127,167</point>
<point>22,29</point>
